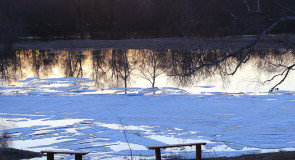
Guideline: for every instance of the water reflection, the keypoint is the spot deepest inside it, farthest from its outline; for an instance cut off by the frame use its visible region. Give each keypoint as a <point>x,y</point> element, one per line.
<point>118,68</point>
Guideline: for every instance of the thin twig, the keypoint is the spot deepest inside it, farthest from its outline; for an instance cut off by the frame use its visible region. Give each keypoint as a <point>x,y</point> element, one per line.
<point>124,132</point>
<point>287,70</point>
<point>125,135</point>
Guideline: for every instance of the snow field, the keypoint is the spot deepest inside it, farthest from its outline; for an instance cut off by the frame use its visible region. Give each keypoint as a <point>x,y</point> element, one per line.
<point>61,118</point>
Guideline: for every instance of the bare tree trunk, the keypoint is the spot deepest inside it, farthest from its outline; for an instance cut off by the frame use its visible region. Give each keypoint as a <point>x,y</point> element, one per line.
<point>126,70</point>
<point>125,80</point>
<point>154,70</point>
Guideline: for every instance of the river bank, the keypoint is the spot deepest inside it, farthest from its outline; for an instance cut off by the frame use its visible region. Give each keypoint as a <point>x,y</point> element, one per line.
<point>231,42</point>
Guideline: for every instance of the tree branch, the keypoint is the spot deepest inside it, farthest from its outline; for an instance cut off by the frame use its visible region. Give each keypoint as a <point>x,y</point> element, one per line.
<point>246,3</point>
<point>287,70</point>
<point>284,6</point>
<point>239,51</point>
<point>244,60</point>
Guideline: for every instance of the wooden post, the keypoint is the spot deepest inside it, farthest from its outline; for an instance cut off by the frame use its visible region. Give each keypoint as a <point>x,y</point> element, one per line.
<point>50,156</point>
<point>158,153</point>
<point>78,157</point>
<point>198,152</point>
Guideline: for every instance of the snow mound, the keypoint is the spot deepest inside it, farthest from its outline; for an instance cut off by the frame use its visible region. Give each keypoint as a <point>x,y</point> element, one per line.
<point>49,86</point>
<point>145,91</point>
<point>84,86</point>
<point>76,86</point>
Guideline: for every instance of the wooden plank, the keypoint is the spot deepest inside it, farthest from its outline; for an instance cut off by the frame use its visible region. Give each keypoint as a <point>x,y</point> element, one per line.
<point>176,145</point>
<point>64,152</point>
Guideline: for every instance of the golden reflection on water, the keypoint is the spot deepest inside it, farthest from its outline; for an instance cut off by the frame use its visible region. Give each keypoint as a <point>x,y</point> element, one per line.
<point>107,67</point>
<point>112,68</point>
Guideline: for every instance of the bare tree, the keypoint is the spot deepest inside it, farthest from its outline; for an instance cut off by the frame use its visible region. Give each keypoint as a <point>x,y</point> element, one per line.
<point>243,54</point>
<point>122,66</point>
<point>251,10</point>
<point>152,65</point>
<point>100,68</point>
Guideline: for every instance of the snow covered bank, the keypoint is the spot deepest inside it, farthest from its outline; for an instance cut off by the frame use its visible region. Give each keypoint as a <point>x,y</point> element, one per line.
<point>75,86</point>
<point>75,117</point>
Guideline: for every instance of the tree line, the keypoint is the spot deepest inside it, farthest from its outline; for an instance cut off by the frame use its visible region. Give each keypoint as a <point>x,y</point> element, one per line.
<point>116,19</point>
<point>113,68</point>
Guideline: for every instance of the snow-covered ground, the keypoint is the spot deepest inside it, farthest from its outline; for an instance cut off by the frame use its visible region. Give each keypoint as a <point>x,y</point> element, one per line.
<point>66,113</point>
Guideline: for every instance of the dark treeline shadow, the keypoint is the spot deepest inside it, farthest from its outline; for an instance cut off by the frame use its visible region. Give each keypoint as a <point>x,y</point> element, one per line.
<point>112,68</point>
<point>116,19</point>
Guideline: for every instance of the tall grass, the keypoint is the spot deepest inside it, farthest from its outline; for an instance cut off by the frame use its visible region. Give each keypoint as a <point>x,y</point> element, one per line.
<point>4,143</point>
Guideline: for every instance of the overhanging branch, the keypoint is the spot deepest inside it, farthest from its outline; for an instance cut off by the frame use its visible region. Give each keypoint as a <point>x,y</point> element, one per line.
<point>285,73</point>
<point>250,46</point>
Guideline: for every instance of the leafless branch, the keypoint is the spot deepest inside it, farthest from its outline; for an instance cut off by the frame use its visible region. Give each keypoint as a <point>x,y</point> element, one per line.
<point>124,132</point>
<point>250,46</point>
<point>246,3</point>
<point>243,60</point>
<point>280,65</point>
<point>144,76</point>
<point>160,73</point>
<point>277,75</point>
<point>284,6</point>
<point>231,13</point>
<point>285,73</point>
<point>125,136</point>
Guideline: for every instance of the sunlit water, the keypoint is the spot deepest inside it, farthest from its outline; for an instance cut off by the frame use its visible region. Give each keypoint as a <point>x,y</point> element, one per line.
<point>143,68</point>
